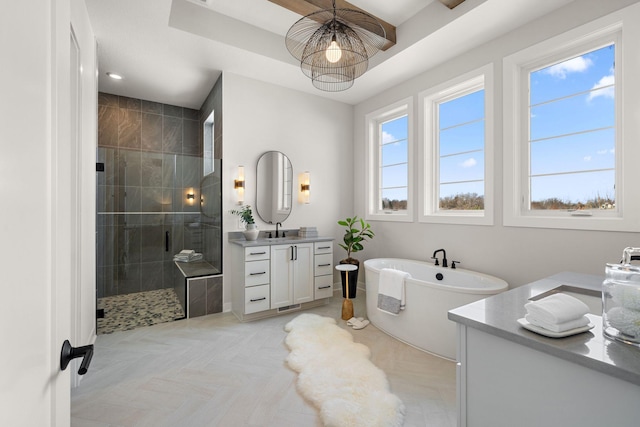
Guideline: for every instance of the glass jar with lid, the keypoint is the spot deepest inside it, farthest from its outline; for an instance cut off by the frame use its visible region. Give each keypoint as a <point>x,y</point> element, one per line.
<point>621,299</point>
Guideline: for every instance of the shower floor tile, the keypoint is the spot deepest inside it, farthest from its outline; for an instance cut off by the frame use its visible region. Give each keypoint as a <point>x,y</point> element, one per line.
<point>130,311</point>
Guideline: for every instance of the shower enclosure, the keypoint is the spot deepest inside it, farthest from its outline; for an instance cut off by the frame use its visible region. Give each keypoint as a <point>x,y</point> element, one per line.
<point>150,206</point>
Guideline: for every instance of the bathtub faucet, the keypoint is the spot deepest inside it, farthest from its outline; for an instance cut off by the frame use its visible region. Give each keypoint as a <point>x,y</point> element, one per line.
<point>444,257</point>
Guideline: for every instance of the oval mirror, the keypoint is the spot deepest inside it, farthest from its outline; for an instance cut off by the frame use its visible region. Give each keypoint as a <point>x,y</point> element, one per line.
<point>274,178</point>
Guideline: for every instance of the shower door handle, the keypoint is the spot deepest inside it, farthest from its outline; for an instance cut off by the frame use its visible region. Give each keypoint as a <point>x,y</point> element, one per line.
<point>68,353</point>
<point>166,241</point>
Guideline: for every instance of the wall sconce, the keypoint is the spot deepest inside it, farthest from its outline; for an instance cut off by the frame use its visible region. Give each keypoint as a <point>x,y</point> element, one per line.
<point>238,185</point>
<point>305,187</point>
<point>191,196</point>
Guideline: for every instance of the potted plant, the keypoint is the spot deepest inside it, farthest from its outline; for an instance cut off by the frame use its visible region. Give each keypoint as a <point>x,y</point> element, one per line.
<point>357,231</point>
<point>246,217</point>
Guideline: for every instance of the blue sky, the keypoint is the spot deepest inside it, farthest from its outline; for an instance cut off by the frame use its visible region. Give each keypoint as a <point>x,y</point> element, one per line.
<point>572,114</point>
<point>589,105</point>
<point>394,151</point>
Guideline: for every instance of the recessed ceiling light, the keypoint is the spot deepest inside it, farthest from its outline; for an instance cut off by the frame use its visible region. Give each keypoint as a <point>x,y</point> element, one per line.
<point>114,75</point>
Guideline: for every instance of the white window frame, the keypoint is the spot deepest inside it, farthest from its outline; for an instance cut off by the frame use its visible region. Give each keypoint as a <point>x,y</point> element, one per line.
<point>621,28</point>
<point>373,121</point>
<point>481,78</point>
<point>208,138</point>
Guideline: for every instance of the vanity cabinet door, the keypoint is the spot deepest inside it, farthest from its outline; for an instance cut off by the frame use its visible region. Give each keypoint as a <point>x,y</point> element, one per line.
<point>303,273</point>
<point>281,275</point>
<point>291,274</point>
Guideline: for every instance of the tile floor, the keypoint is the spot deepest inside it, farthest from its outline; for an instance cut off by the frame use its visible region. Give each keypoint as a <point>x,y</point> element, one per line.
<point>217,371</point>
<point>130,311</point>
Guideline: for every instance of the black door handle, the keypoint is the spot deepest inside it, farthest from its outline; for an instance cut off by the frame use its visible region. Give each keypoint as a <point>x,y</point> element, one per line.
<point>166,241</point>
<point>69,353</point>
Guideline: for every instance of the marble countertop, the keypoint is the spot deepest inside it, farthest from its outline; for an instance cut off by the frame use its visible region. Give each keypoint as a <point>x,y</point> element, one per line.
<point>497,315</point>
<point>279,241</point>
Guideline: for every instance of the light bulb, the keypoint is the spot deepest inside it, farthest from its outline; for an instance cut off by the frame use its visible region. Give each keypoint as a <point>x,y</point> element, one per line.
<point>333,53</point>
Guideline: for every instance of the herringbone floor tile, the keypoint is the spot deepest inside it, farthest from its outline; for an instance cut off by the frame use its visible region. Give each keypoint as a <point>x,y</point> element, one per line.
<point>217,371</point>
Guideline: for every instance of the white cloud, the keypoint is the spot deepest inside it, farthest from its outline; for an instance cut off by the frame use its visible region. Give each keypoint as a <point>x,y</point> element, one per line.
<point>608,92</point>
<point>387,137</point>
<point>607,151</point>
<point>575,65</point>
<point>469,163</point>
<point>587,158</point>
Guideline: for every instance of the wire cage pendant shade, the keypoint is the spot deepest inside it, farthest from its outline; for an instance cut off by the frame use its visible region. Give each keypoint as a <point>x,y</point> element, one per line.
<point>334,46</point>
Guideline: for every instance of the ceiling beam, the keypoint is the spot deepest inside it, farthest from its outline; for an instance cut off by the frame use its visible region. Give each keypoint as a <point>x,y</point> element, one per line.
<point>451,3</point>
<point>306,7</point>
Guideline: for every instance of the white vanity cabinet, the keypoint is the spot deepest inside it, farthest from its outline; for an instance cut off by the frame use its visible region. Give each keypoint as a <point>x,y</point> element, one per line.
<point>291,274</point>
<point>252,267</point>
<point>273,276</point>
<point>323,270</point>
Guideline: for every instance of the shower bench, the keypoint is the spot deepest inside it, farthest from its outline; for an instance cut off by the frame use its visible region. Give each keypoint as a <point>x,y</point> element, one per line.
<point>199,288</point>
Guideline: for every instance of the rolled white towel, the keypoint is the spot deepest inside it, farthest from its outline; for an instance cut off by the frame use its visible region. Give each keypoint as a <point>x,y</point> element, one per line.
<point>557,308</point>
<point>558,327</point>
<point>625,320</point>
<point>626,296</point>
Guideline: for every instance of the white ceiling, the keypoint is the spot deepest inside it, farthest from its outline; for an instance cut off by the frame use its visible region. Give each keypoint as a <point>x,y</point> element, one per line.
<point>173,51</point>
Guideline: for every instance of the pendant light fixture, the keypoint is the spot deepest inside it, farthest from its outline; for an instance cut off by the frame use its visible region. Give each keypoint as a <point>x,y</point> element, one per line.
<point>334,46</point>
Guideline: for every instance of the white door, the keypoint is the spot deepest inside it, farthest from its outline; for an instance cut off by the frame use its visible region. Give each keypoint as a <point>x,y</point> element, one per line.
<point>38,192</point>
<point>84,117</point>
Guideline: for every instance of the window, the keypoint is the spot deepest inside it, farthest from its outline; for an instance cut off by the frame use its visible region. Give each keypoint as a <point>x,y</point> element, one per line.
<point>571,135</point>
<point>458,141</point>
<point>563,128</point>
<point>208,138</point>
<point>389,171</point>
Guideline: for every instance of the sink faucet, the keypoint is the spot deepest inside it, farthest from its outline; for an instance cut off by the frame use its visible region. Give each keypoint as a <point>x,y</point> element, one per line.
<point>278,224</point>
<point>444,257</point>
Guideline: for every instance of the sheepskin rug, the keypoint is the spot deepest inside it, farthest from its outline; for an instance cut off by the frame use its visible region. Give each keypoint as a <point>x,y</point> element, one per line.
<point>336,375</point>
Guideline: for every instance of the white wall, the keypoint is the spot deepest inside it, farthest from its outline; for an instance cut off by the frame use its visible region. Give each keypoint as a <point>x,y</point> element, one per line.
<point>315,133</point>
<point>518,255</point>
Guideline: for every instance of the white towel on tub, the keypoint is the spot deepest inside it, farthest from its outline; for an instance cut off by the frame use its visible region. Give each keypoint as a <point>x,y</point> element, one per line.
<point>391,295</point>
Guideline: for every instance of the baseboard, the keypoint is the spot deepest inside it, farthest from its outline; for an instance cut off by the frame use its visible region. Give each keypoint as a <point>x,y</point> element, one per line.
<point>226,307</point>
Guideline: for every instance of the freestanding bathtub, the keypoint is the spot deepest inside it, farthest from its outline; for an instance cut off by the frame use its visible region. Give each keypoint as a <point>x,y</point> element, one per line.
<point>423,323</point>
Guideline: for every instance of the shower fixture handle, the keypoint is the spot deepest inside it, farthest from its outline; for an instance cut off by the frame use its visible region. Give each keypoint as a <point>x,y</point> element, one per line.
<point>68,353</point>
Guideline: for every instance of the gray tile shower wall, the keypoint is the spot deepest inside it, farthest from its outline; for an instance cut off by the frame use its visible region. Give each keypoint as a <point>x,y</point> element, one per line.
<point>153,158</point>
<point>147,126</point>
